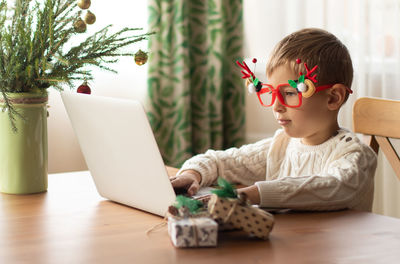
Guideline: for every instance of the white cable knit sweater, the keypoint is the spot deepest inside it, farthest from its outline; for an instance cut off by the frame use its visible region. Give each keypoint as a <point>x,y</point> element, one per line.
<point>336,174</point>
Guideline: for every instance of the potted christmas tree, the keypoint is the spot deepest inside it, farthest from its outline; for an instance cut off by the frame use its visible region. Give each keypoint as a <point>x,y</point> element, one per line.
<point>36,54</point>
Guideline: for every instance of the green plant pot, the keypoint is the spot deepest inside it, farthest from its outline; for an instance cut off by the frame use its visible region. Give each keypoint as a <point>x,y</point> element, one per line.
<point>23,154</point>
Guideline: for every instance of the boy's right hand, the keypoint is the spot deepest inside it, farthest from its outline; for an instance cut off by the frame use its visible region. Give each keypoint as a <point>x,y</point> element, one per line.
<point>188,182</point>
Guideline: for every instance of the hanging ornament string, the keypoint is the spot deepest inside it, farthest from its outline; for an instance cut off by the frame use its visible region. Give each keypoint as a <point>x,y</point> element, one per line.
<point>80,26</point>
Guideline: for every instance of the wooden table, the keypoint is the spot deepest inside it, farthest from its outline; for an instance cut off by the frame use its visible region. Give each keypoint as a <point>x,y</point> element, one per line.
<point>71,223</point>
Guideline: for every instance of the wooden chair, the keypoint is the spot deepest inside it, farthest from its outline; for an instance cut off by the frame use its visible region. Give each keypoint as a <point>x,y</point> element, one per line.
<point>378,120</point>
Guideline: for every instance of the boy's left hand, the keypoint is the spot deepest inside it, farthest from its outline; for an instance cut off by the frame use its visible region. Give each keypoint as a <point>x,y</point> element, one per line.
<point>252,194</point>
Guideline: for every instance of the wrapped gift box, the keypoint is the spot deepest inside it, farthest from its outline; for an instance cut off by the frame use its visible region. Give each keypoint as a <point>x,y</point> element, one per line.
<point>241,215</point>
<point>193,231</point>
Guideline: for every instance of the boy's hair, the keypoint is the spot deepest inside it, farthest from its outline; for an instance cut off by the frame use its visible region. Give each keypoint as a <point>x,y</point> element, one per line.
<point>314,47</point>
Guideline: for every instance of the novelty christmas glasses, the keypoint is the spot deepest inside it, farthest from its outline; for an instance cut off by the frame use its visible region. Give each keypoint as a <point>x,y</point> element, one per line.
<point>286,94</point>
<point>289,94</point>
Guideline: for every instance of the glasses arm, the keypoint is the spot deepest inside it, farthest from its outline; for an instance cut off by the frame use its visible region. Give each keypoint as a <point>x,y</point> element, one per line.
<point>327,86</point>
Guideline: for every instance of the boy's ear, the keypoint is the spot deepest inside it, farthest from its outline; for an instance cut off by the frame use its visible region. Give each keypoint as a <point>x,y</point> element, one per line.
<point>336,96</point>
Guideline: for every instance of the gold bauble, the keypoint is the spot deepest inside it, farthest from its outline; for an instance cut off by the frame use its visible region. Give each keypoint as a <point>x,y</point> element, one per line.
<point>80,25</point>
<point>90,18</point>
<point>140,57</point>
<point>84,4</point>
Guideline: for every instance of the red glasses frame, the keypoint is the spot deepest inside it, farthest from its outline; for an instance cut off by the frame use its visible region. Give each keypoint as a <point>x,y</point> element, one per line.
<point>276,93</point>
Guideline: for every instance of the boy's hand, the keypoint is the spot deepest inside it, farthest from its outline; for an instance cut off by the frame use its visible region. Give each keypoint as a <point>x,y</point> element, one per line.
<point>188,181</point>
<point>252,194</point>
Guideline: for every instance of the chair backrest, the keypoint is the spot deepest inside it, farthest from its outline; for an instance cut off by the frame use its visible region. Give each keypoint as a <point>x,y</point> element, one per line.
<point>378,120</point>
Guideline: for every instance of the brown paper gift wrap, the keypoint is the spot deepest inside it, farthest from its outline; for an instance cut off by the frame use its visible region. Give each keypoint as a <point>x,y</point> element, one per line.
<point>193,231</point>
<point>242,216</point>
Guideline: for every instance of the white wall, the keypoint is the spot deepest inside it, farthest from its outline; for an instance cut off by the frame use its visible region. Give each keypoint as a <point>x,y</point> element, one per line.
<point>258,43</point>
<point>130,82</point>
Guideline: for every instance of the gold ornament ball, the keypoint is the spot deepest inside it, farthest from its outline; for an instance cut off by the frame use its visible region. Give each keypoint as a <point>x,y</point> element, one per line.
<point>140,57</point>
<point>80,25</point>
<point>90,18</point>
<point>84,4</point>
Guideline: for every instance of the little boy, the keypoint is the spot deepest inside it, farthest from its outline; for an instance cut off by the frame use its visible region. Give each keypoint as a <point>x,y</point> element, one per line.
<point>311,163</point>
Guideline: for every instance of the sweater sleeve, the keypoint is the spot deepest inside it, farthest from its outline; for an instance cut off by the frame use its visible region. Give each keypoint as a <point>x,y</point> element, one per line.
<point>244,165</point>
<point>346,184</point>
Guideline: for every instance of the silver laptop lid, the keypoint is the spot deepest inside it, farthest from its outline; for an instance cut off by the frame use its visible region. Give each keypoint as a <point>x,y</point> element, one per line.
<point>120,151</point>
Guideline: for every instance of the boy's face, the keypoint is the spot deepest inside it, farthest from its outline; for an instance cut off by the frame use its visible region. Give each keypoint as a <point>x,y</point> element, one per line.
<point>312,121</point>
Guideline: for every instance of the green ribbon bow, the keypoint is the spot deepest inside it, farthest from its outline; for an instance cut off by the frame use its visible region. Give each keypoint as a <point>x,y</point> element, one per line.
<point>227,190</point>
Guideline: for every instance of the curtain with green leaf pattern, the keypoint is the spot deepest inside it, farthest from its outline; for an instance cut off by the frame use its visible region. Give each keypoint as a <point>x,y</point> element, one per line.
<point>196,95</point>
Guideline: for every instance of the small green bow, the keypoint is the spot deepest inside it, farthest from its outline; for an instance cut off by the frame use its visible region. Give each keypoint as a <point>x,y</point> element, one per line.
<point>191,204</point>
<point>226,190</point>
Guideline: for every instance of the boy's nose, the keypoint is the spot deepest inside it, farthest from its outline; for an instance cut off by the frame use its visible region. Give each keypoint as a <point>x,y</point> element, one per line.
<point>278,107</point>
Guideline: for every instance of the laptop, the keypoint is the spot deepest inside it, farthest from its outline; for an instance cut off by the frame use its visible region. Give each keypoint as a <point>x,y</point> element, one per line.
<point>120,151</point>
